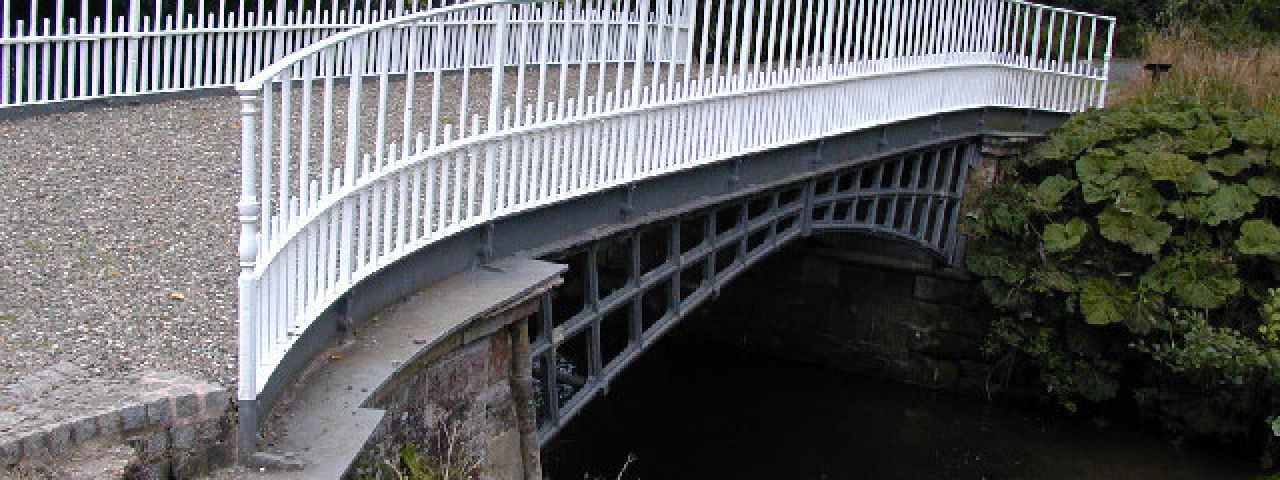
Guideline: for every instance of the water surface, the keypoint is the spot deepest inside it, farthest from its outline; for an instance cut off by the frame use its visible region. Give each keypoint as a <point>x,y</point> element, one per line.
<point>687,410</point>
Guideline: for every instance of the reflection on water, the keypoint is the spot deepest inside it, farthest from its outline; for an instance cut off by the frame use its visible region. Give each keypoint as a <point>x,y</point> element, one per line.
<point>687,410</point>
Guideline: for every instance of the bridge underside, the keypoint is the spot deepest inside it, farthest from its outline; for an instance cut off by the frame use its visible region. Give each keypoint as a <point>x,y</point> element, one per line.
<point>650,252</point>
<point>627,286</point>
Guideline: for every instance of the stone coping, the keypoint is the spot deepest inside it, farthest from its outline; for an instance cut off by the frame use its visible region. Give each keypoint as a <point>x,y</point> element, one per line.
<point>326,423</point>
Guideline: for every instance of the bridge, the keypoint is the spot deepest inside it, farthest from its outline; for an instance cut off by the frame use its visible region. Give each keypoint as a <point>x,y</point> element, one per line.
<point>647,151</point>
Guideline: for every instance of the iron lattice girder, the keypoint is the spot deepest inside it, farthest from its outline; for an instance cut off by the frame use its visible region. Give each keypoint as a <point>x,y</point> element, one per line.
<point>913,195</point>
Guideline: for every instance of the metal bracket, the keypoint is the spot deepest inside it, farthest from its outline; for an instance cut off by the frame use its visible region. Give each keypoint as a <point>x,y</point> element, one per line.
<point>485,254</point>
<point>816,161</point>
<point>735,177</point>
<point>627,208</point>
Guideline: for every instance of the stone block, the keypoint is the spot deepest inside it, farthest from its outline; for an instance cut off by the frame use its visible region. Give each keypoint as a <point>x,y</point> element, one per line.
<point>216,402</point>
<point>35,446</point>
<point>160,412</point>
<point>209,430</point>
<point>190,464</point>
<point>951,318</point>
<point>10,451</point>
<point>187,406</point>
<point>158,469</point>
<point>108,423</point>
<point>183,436</point>
<point>133,417</point>
<point>156,444</point>
<point>84,429</point>
<point>820,271</point>
<point>220,454</point>
<point>947,345</point>
<point>278,462</point>
<point>58,438</point>
<point>933,289</point>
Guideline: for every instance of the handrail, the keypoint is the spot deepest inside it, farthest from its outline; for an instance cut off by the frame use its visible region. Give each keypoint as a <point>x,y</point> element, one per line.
<point>289,61</point>
<point>182,45</point>
<point>434,129</point>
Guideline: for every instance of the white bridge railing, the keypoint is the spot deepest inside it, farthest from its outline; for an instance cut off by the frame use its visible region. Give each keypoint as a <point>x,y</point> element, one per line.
<point>60,52</point>
<point>342,178</point>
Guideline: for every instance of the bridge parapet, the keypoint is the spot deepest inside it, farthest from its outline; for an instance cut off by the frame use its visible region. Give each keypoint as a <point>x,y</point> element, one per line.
<point>125,49</point>
<point>342,180</point>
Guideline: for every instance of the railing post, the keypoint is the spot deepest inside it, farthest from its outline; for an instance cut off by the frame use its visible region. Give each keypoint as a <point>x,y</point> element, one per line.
<point>1106,66</point>
<point>502,18</point>
<point>131,73</point>
<point>637,85</point>
<point>249,211</point>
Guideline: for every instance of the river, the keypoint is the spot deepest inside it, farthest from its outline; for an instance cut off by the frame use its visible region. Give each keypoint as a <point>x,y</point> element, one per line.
<point>689,410</point>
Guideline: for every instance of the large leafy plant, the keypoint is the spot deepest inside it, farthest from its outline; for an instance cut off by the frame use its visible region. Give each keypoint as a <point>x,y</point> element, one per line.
<point>1132,252</point>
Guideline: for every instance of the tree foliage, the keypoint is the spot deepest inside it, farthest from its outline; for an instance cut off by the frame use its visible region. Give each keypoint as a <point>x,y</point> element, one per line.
<point>1133,251</point>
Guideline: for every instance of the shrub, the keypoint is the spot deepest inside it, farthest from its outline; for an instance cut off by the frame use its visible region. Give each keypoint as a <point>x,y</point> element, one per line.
<point>1133,252</point>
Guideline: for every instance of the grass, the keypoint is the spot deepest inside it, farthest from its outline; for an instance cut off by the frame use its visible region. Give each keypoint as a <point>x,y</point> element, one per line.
<point>1236,75</point>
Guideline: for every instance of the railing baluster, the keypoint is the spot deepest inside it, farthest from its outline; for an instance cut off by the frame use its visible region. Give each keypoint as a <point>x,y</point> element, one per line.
<point>804,69</point>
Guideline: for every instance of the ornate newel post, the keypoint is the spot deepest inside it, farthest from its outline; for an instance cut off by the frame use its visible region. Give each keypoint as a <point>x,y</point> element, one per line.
<point>249,211</point>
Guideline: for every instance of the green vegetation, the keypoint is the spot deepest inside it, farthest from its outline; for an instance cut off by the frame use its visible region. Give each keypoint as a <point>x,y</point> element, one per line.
<point>415,466</point>
<point>1135,253</point>
<point>1229,22</point>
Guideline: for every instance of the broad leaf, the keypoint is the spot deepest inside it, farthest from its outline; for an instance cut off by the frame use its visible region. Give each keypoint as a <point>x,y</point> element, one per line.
<point>994,258</point>
<point>1261,131</point>
<point>1229,203</point>
<point>1141,233</point>
<point>1060,237</point>
<point>1258,237</point>
<point>1202,279</point>
<point>1136,195</point>
<point>1205,139</point>
<point>1004,297</point>
<point>1172,167</point>
<point>1052,280</point>
<point>1105,303</point>
<point>1231,164</point>
<point>1097,171</point>
<point>1200,181</point>
<point>1050,192</point>
<point>1265,186</point>
<point>1172,120</point>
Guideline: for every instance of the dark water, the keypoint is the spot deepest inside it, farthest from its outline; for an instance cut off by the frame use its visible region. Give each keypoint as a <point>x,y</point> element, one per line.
<point>688,410</point>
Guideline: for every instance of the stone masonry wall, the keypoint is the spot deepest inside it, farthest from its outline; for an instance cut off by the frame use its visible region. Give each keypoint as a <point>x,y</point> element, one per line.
<point>840,307</point>
<point>868,305</point>
<point>152,425</point>
<point>460,407</point>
